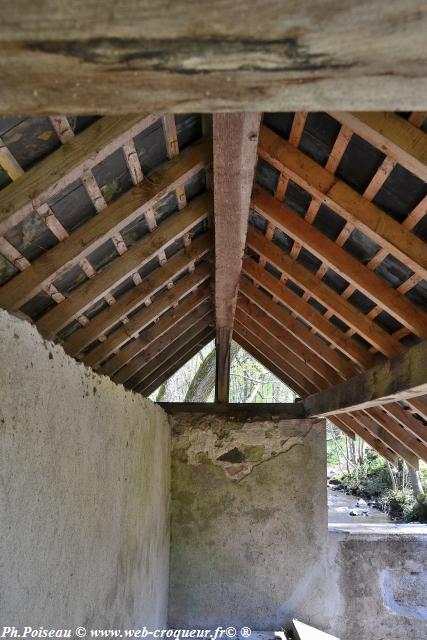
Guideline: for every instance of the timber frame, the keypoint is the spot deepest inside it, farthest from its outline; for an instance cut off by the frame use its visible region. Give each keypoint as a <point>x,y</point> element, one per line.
<point>135,240</point>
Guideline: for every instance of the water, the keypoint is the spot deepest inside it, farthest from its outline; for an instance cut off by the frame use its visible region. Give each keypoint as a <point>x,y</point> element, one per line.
<point>340,505</point>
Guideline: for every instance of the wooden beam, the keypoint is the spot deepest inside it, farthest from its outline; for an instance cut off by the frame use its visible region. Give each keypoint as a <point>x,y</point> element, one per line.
<point>397,430</point>
<point>98,229</point>
<point>73,58</point>
<point>356,209</point>
<point>202,313</point>
<point>133,298</point>
<point>308,314</point>
<point>65,165</point>
<point>378,431</point>
<point>122,267</point>
<point>343,368</point>
<point>172,310</point>
<point>171,366</point>
<point>173,349</point>
<point>405,376</point>
<point>324,294</point>
<point>146,315</point>
<point>277,325</point>
<point>337,258</point>
<point>241,411</point>
<point>263,326</point>
<point>396,137</point>
<point>235,139</point>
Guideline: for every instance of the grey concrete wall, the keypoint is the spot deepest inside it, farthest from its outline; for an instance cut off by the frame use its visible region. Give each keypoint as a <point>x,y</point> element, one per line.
<point>377,585</point>
<point>249,523</point>
<point>85,480</point>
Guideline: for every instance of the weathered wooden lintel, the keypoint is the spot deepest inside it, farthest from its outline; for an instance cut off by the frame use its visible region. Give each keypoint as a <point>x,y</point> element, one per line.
<point>258,411</point>
<point>400,378</point>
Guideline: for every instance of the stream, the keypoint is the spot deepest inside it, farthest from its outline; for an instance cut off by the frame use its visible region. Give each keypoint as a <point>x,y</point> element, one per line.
<point>340,505</point>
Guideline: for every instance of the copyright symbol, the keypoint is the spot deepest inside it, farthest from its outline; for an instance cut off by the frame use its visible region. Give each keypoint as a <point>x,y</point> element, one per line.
<point>230,632</point>
<point>80,632</point>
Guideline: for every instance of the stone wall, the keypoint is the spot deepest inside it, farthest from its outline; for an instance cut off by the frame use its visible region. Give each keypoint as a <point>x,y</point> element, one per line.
<point>249,522</point>
<point>85,475</point>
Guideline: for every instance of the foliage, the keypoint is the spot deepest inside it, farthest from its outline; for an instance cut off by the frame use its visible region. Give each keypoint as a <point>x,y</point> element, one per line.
<point>375,478</point>
<point>250,381</point>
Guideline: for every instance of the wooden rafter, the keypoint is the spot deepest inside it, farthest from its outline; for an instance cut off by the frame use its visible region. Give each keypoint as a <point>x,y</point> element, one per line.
<point>125,265</point>
<point>164,339</point>
<point>318,290</point>
<point>133,298</point>
<point>67,164</point>
<point>336,258</point>
<point>176,345</point>
<point>355,209</point>
<point>98,229</point>
<point>170,366</point>
<point>146,315</point>
<point>235,139</point>
<point>399,139</point>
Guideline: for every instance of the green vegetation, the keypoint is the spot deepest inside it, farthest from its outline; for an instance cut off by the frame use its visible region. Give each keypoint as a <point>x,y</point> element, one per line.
<point>366,474</point>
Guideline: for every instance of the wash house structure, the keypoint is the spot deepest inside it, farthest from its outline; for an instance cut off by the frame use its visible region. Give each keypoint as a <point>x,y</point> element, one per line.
<point>270,191</point>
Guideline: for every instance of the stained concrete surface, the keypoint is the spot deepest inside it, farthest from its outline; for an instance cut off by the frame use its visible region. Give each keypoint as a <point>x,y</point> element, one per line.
<point>378,581</point>
<point>247,549</point>
<point>85,480</point>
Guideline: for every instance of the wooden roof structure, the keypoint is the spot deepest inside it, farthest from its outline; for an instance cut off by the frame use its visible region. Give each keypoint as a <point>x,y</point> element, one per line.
<point>134,240</point>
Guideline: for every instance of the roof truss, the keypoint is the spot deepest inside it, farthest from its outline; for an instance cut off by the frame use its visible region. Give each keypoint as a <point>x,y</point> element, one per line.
<point>326,294</point>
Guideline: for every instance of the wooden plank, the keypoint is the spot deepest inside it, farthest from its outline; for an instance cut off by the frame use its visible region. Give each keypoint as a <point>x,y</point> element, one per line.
<point>405,376</point>
<point>122,267</point>
<point>396,137</point>
<point>159,344</point>
<point>308,314</point>
<point>398,430</point>
<point>356,209</point>
<point>264,326</point>
<point>410,423</point>
<point>8,162</point>
<point>98,229</point>
<point>386,436</point>
<point>173,348</point>
<point>242,411</point>
<point>272,324</point>
<point>146,315</point>
<point>172,310</point>
<point>339,365</point>
<point>266,362</point>
<point>338,259</point>
<point>162,341</point>
<point>171,366</point>
<point>67,164</point>
<point>132,299</point>
<point>320,291</point>
<point>74,58</point>
<point>235,139</point>
<point>263,343</point>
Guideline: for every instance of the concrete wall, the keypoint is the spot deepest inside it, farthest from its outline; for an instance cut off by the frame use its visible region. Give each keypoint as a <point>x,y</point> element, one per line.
<point>377,584</point>
<point>85,472</point>
<point>249,523</point>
